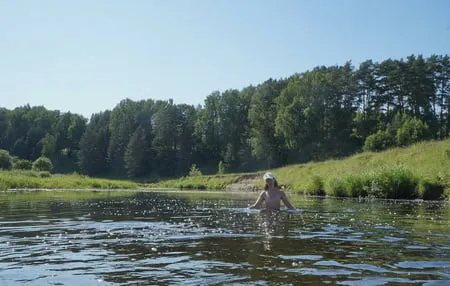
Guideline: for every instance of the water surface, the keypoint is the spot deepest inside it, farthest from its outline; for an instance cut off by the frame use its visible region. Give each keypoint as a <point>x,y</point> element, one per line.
<point>179,238</point>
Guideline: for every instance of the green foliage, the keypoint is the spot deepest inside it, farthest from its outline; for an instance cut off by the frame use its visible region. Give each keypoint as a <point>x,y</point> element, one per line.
<point>265,142</point>
<point>315,111</point>
<point>337,188</point>
<point>122,124</point>
<point>402,131</point>
<point>446,194</point>
<point>44,180</point>
<point>382,182</point>
<point>22,164</point>
<point>394,183</point>
<point>5,160</point>
<point>214,182</point>
<point>378,142</point>
<point>358,185</point>
<point>412,130</point>
<point>92,157</point>
<point>44,174</point>
<point>315,186</point>
<point>430,189</point>
<point>221,168</point>
<point>137,154</point>
<point>376,175</point>
<point>42,164</point>
<point>48,145</point>
<point>194,171</point>
<point>172,141</point>
<point>322,113</point>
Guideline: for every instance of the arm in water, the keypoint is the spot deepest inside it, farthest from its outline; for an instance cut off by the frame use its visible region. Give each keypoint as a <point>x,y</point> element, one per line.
<point>258,202</point>
<point>286,201</point>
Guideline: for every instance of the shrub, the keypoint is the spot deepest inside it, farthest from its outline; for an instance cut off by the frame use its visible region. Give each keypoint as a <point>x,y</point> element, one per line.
<point>412,130</point>
<point>378,141</point>
<point>4,186</point>
<point>44,174</point>
<point>315,186</point>
<point>22,164</point>
<point>221,168</point>
<point>429,189</point>
<point>337,188</point>
<point>96,185</point>
<point>358,185</point>
<point>194,171</point>
<point>42,164</point>
<point>446,194</point>
<point>5,160</point>
<point>395,183</point>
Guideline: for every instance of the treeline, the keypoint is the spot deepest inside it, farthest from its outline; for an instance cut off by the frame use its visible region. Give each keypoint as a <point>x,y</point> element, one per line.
<point>324,113</point>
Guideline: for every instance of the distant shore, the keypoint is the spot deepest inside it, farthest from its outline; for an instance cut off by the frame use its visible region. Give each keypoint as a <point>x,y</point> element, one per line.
<point>419,172</point>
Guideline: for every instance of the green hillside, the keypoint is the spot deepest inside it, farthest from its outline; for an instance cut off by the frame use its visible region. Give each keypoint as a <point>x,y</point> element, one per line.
<point>418,171</point>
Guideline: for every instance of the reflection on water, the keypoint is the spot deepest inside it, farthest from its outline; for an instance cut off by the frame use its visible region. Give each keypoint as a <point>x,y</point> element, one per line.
<point>170,238</point>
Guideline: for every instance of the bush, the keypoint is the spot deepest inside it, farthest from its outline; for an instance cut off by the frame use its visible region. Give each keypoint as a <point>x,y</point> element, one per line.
<point>221,168</point>
<point>412,130</point>
<point>358,185</point>
<point>194,171</point>
<point>42,164</point>
<point>395,183</point>
<point>4,186</point>
<point>22,164</point>
<point>429,189</point>
<point>337,188</point>
<point>44,174</point>
<point>315,186</point>
<point>5,160</point>
<point>378,141</point>
<point>403,130</point>
<point>446,194</point>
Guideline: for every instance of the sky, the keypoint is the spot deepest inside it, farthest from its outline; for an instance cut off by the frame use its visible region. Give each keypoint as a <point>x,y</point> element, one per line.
<point>86,56</point>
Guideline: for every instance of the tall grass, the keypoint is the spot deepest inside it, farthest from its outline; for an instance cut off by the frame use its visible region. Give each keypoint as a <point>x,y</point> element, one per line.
<point>44,180</point>
<point>212,182</point>
<point>418,171</point>
<point>382,182</point>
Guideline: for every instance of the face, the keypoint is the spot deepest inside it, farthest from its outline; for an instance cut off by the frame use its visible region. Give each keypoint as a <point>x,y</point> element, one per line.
<point>269,182</point>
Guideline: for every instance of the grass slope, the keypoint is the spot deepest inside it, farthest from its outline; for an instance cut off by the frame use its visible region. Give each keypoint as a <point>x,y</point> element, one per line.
<point>418,171</point>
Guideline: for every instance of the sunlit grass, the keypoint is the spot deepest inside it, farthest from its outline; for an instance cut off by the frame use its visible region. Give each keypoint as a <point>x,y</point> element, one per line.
<point>36,180</point>
<point>419,171</point>
<point>418,168</point>
<point>212,182</point>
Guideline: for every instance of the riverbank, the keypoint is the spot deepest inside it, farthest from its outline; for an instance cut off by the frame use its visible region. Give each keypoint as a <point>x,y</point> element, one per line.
<point>15,180</point>
<point>421,171</point>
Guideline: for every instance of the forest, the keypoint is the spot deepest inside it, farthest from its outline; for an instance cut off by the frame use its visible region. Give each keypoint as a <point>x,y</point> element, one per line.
<point>319,114</point>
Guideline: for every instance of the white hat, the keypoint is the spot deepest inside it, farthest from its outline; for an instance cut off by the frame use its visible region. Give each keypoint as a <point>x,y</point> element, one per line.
<point>268,175</point>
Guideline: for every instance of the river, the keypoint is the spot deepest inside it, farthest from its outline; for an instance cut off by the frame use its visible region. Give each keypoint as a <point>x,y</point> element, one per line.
<point>209,238</point>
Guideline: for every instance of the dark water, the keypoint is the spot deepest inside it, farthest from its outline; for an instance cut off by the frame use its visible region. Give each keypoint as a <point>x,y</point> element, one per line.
<point>169,238</point>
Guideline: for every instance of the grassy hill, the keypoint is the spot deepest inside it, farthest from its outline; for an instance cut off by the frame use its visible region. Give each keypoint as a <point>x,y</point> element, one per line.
<point>418,171</point>
<point>424,166</point>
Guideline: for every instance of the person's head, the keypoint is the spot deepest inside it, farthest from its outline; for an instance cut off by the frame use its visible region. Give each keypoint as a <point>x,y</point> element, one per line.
<point>269,178</point>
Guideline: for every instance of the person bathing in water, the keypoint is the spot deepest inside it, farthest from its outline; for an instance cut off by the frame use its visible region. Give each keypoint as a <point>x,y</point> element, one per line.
<point>272,195</point>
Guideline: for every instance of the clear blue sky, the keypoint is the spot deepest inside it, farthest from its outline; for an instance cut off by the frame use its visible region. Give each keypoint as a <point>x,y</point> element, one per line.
<point>86,56</point>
